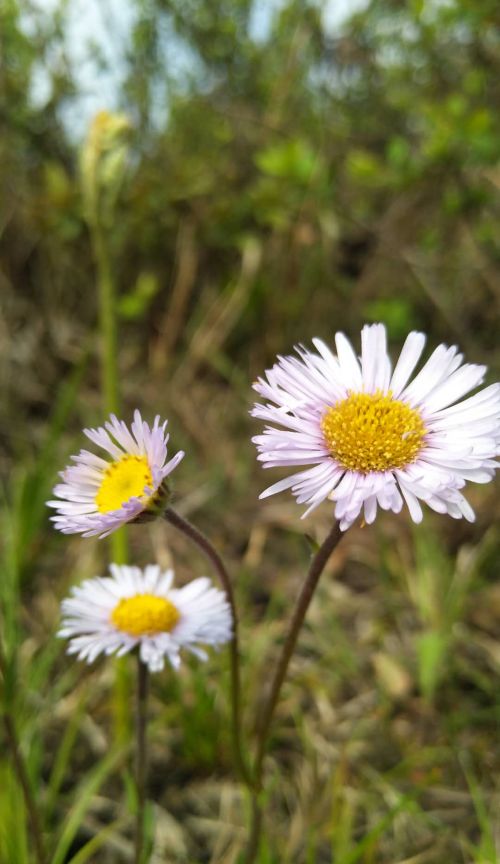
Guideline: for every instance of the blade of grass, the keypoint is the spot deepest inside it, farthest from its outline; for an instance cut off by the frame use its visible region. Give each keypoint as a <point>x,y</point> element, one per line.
<point>372,836</point>
<point>14,842</point>
<point>83,795</point>
<point>62,756</point>
<point>96,842</point>
<point>486,852</point>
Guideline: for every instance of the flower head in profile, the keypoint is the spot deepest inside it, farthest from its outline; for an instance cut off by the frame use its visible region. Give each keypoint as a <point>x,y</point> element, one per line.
<point>99,494</point>
<point>136,608</point>
<point>373,436</point>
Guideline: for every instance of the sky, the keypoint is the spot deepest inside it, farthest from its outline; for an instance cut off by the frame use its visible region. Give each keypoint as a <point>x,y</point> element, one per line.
<point>106,24</point>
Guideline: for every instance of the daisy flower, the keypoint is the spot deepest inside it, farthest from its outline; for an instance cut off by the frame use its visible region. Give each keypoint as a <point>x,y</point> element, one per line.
<point>136,608</point>
<point>374,436</point>
<point>99,495</point>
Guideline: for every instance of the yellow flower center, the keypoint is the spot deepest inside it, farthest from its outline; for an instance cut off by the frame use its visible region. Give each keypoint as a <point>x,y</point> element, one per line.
<point>373,432</point>
<point>144,615</point>
<point>123,480</point>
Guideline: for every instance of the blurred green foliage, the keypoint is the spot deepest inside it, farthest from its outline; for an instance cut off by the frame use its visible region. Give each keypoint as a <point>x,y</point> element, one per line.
<point>364,162</point>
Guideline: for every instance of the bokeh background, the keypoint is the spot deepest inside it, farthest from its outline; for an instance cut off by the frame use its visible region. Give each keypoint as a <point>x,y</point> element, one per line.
<point>266,172</point>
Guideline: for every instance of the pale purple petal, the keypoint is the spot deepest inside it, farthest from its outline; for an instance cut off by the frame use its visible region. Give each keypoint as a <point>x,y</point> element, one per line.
<point>460,444</point>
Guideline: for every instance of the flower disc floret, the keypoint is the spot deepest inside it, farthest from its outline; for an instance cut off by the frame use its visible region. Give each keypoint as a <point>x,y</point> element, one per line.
<point>366,435</point>
<point>373,432</point>
<point>122,480</point>
<point>145,615</point>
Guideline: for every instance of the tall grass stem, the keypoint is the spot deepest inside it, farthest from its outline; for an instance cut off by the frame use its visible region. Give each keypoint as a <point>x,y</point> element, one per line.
<point>107,320</point>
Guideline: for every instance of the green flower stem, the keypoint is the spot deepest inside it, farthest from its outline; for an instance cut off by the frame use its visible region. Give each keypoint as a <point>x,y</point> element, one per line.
<point>204,544</point>
<point>22,773</point>
<point>316,568</point>
<point>141,756</point>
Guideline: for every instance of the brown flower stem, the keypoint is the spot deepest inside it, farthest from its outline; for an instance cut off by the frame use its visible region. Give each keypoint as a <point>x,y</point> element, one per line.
<point>315,570</point>
<point>141,757</point>
<point>204,544</point>
<point>22,772</point>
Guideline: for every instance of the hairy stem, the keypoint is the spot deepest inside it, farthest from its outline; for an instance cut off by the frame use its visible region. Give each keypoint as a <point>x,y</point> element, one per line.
<point>204,544</point>
<point>315,570</point>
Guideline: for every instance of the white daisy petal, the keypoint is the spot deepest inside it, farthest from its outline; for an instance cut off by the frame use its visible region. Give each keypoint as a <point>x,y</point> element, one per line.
<point>370,509</point>
<point>99,495</point>
<point>375,363</point>
<point>365,439</point>
<point>431,374</point>
<point>134,608</point>
<point>454,387</point>
<point>348,362</point>
<point>408,359</point>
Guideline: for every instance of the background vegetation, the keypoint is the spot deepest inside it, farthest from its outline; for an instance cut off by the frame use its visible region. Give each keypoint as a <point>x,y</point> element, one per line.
<point>272,183</point>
